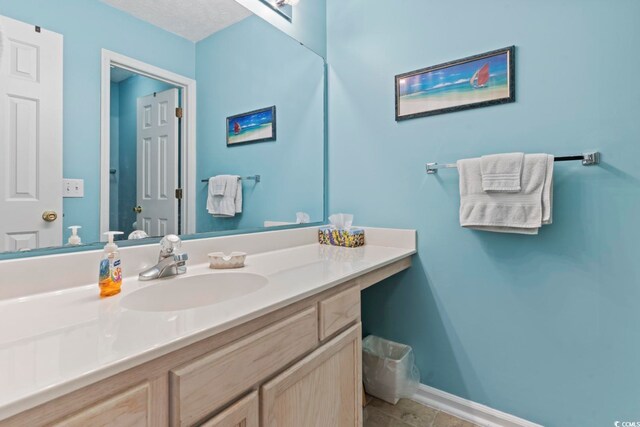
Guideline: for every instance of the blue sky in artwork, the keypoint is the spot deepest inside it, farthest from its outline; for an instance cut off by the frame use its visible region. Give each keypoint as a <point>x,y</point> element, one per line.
<point>252,120</point>
<point>453,75</point>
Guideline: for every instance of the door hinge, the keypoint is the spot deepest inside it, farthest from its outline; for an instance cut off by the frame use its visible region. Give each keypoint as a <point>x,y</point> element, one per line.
<point>179,193</point>
<point>179,112</point>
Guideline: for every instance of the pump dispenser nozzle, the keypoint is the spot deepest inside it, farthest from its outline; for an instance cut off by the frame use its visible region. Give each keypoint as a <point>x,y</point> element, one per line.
<point>111,246</point>
<point>74,239</point>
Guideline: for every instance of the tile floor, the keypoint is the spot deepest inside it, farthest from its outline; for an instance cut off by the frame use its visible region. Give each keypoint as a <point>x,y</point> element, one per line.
<point>407,413</point>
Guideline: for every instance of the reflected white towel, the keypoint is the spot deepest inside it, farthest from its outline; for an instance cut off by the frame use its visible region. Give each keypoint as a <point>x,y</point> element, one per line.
<point>524,212</point>
<point>502,172</point>
<point>230,202</point>
<point>218,184</point>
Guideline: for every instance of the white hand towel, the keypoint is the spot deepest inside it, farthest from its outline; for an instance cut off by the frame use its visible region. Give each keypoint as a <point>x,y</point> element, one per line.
<point>211,198</point>
<point>547,192</point>
<point>238,195</point>
<point>502,172</point>
<point>524,212</point>
<point>219,183</point>
<point>230,202</point>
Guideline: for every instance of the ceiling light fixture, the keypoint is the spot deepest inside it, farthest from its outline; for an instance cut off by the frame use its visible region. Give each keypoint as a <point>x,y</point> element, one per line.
<point>281,3</point>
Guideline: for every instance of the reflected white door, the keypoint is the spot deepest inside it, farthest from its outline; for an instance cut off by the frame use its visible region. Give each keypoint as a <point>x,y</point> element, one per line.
<point>30,136</point>
<point>157,163</point>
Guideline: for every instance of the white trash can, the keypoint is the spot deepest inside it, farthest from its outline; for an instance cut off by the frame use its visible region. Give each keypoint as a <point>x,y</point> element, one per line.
<point>389,369</point>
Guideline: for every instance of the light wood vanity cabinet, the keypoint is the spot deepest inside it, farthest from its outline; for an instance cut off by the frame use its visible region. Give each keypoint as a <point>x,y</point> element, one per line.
<point>243,413</point>
<point>323,389</point>
<point>297,366</point>
<point>338,311</point>
<point>127,409</point>
<point>206,384</point>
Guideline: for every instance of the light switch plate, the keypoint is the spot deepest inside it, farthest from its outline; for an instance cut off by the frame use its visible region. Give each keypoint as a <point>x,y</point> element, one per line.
<point>73,187</point>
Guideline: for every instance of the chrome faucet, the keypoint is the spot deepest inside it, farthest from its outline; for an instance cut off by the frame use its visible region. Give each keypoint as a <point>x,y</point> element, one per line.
<point>171,261</point>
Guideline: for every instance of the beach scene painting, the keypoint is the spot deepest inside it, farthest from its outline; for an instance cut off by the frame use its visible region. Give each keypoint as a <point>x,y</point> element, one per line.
<point>477,81</point>
<point>254,126</point>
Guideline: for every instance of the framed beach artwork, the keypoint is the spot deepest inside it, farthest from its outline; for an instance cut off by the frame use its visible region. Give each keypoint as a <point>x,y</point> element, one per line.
<point>473,82</point>
<point>254,126</point>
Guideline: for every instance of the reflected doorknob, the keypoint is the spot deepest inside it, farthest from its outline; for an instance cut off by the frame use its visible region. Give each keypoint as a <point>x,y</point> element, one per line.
<point>137,209</point>
<point>49,216</point>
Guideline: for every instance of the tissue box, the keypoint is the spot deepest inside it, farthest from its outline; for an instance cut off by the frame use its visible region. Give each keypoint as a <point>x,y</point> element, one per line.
<point>351,238</point>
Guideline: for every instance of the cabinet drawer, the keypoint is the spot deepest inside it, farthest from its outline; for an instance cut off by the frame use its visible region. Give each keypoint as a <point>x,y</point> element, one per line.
<point>128,409</point>
<point>243,413</point>
<point>339,311</point>
<point>200,387</point>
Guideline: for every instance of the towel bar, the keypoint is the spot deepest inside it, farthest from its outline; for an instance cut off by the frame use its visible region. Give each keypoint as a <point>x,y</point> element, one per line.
<point>255,178</point>
<point>588,159</point>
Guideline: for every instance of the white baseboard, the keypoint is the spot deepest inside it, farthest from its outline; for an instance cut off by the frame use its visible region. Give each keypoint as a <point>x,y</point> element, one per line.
<point>466,409</point>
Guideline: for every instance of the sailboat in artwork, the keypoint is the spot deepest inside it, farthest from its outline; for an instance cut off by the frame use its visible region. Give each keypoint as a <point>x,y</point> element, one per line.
<point>480,77</point>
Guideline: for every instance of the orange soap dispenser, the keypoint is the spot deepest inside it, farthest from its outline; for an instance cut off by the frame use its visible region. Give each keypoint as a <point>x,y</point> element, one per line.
<point>110,278</point>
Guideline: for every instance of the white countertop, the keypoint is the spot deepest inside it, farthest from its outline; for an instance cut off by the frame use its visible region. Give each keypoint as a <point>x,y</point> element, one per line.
<point>57,342</point>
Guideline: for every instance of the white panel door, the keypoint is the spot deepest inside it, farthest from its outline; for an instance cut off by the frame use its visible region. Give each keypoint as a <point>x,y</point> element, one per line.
<point>30,136</point>
<point>157,163</point>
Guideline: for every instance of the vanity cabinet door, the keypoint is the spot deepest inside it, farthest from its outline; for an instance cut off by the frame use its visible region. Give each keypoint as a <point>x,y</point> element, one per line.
<point>243,413</point>
<point>323,389</point>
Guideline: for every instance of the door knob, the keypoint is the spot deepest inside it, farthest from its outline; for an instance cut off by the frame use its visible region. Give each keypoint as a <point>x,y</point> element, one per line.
<point>49,216</point>
<point>137,209</point>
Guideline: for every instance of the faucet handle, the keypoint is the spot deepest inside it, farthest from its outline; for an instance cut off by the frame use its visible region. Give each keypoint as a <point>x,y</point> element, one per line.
<point>169,245</point>
<point>181,257</point>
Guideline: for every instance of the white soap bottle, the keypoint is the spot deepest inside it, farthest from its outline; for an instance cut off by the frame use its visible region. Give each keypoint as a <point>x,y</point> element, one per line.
<point>74,239</point>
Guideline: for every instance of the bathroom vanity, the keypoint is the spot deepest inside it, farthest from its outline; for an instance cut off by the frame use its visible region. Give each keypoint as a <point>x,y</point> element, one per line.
<point>276,342</point>
<point>281,351</point>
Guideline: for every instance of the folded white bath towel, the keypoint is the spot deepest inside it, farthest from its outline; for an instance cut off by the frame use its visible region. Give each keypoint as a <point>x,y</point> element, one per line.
<point>524,212</point>
<point>502,172</point>
<point>229,203</point>
<point>218,184</point>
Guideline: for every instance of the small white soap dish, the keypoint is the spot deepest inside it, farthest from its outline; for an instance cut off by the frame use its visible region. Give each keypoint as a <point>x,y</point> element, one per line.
<point>220,260</point>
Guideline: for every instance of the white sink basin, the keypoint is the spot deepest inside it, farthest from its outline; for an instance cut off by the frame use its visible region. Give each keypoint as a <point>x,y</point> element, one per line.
<point>182,293</point>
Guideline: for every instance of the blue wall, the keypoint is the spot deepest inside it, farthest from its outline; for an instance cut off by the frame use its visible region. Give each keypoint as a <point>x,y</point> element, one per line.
<point>543,327</point>
<point>245,67</point>
<point>129,91</point>
<point>101,27</point>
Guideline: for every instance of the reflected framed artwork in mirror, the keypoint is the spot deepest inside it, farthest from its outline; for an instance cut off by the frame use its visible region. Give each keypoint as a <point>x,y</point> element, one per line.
<point>254,126</point>
<point>133,137</point>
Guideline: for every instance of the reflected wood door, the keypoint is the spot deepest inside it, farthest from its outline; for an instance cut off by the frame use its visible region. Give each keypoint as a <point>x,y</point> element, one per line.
<point>323,389</point>
<point>157,163</point>
<point>30,136</point>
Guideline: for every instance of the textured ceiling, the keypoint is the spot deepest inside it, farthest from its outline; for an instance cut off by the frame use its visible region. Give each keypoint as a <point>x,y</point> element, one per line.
<point>120,74</point>
<point>192,19</point>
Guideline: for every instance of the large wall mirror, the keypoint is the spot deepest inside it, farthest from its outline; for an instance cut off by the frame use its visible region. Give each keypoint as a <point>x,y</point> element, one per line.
<point>140,117</point>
